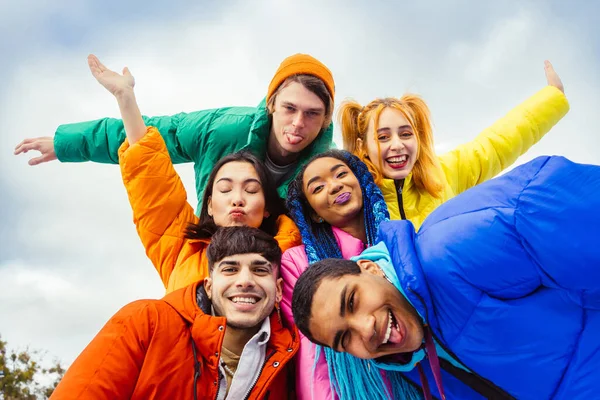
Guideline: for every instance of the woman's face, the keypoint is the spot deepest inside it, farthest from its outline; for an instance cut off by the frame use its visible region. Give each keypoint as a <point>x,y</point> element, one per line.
<point>333,191</point>
<point>397,141</point>
<point>237,196</point>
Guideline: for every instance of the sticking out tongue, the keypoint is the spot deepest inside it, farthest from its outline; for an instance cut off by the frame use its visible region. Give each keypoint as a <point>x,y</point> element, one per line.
<point>395,336</point>
<point>293,139</point>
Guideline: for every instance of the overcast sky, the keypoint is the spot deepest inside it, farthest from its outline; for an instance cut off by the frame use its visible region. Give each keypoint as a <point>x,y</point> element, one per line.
<point>69,253</point>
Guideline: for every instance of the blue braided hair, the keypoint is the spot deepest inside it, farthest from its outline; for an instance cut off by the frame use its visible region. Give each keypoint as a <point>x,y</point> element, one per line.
<point>351,377</point>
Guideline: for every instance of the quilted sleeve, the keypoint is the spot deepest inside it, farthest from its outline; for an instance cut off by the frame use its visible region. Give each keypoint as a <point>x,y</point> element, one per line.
<point>158,200</point>
<point>499,146</point>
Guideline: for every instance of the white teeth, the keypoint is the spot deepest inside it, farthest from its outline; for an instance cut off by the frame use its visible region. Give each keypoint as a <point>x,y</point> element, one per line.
<point>249,300</point>
<point>398,159</point>
<point>388,332</point>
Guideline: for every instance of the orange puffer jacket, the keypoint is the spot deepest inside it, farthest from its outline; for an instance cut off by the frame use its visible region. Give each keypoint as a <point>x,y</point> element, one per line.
<point>161,213</point>
<point>145,351</point>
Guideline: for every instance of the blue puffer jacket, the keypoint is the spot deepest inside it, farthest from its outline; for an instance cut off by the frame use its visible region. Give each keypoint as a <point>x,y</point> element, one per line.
<point>507,276</point>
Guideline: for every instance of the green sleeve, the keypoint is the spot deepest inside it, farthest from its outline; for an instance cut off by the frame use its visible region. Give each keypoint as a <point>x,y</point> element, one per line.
<point>99,140</point>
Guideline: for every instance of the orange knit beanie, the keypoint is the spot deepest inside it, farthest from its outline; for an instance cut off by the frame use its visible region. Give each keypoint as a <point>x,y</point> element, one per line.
<point>301,64</point>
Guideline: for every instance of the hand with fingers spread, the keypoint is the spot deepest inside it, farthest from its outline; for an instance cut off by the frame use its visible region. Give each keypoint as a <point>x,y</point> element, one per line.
<point>45,145</point>
<point>121,86</point>
<point>115,83</point>
<point>552,77</point>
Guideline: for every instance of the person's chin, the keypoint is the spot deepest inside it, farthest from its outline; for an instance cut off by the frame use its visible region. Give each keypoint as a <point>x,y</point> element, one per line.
<point>397,174</point>
<point>237,222</point>
<point>243,322</point>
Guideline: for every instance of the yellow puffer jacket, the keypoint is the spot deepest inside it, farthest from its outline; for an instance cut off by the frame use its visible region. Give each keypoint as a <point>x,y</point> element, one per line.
<point>161,213</point>
<point>495,149</point>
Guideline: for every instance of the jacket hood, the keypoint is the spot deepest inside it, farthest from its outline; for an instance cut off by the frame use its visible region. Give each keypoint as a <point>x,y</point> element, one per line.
<point>381,256</point>
<point>194,306</point>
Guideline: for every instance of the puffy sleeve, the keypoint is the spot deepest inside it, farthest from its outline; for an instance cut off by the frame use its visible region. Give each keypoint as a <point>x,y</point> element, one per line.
<point>499,146</point>
<point>539,224</point>
<point>158,200</point>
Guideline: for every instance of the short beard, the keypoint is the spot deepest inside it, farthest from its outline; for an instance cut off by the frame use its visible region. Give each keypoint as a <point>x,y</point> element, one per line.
<point>233,325</point>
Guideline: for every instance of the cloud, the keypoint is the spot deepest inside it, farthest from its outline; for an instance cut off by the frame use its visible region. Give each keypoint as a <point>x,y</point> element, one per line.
<point>70,256</point>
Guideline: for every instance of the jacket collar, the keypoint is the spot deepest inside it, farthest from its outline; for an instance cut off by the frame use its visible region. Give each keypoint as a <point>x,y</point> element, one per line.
<point>348,244</point>
<point>194,306</point>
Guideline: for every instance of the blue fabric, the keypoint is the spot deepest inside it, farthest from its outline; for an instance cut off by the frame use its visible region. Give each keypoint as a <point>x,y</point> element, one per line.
<point>507,275</point>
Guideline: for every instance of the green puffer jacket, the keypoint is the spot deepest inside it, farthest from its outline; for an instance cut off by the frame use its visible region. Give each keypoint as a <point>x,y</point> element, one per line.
<point>201,137</point>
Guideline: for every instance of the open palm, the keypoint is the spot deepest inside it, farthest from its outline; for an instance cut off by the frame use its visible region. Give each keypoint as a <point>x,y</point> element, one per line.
<point>111,80</point>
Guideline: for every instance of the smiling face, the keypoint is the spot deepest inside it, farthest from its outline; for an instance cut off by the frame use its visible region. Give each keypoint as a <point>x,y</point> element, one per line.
<point>237,196</point>
<point>397,142</point>
<point>298,117</point>
<point>332,190</point>
<point>244,288</point>
<point>364,315</point>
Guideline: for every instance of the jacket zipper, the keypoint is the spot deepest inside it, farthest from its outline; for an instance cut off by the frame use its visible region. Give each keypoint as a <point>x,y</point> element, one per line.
<point>498,390</point>
<point>259,373</point>
<point>218,381</point>
<point>399,186</point>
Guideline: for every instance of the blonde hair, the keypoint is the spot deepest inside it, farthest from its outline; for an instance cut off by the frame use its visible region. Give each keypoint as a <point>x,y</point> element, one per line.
<point>311,83</point>
<point>354,121</point>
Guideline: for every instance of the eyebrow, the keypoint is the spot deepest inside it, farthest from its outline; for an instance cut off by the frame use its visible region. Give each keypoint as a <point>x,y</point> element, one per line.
<point>317,109</point>
<point>315,178</point>
<point>229,262</point>
<point>249,180</point>
<point>259,263</point>
<point>388,129</point>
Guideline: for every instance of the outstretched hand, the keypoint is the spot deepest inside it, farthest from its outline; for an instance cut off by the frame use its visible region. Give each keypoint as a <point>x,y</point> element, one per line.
<point>114,82</point>
<point>44,145</point>
<point>552,77</point>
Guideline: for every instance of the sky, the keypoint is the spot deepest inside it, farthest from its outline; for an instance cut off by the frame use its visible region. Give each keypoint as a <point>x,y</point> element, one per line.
<point>69,253</point>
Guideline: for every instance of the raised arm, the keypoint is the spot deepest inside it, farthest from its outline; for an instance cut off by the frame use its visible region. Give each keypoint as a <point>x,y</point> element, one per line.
<point>100,140</point>
<point>499,146</point>
<point>158,200</point>
<point>156,193</point>
<point>121,86</point>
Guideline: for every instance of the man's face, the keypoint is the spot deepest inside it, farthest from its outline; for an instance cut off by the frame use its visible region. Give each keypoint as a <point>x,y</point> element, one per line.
<point>364,315</point>
<point>244,288</point>
<point>298,117</point>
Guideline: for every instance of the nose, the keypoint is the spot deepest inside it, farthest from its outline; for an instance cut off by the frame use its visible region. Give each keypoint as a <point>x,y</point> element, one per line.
<point>244,278</point>
<point>237,198</point>
<point>335,187</point>
<point>299,119</point>
<point>396,143</point>
<point>364,326</point>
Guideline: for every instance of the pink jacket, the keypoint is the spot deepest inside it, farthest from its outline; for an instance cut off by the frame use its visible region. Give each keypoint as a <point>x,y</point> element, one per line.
<point>293,263</point>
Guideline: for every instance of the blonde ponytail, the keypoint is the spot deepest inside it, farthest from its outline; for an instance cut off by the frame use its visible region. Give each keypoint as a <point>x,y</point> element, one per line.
<point>348,120</point>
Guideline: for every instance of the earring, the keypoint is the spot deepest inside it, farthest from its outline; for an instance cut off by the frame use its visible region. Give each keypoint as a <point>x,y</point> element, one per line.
<point>320,220</point>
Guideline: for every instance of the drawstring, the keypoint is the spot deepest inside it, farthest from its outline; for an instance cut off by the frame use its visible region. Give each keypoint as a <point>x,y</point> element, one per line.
<point>424,383</point>
<point>434,363</point>
<point>196,368</point>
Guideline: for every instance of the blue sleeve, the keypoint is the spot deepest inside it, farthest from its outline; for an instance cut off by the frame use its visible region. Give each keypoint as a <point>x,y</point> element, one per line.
<point>558,221</point>
<point>538,224</point>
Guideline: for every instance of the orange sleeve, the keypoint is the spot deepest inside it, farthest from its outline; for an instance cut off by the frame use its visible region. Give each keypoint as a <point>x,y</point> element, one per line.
<point>288,235</point>
<point>109,367</point>
<point>158,199</point>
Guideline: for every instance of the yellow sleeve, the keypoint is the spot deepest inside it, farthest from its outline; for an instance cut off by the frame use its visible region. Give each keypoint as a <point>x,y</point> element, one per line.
<point>158,199</point>
<point>499,146</point>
